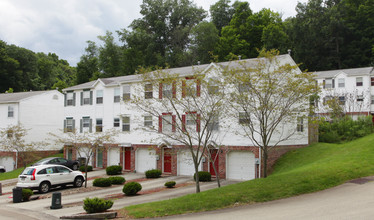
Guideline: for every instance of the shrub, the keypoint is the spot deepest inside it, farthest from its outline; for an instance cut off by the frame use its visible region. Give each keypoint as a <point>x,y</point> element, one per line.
<point>170,184</point>
<point>131,188</point>
<point>153,173</point>
<point>102,182</point>
<point>26,194</point>
<point>82,168</point>
<point>114,170</point>
<point>117,180</point>
<point>95,205</point>
<point>204,176</point>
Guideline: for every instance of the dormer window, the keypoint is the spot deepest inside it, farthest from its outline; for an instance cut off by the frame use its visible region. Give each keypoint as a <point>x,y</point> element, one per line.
<point>99,97</point>
<point>126,92</point>
<point>86,97</point>
<point>148,91</point>
<point>10,111</point>
<point>116,95</point>
<point>328,83</point>
<point>341,83</point>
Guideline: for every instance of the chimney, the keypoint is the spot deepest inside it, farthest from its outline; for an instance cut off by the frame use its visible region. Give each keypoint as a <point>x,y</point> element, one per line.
<point>289,52</point>
<point>198,62</point>
<point>240,57</point>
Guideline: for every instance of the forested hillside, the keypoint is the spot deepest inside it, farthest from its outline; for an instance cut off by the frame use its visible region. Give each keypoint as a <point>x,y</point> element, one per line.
<point>324,34</point>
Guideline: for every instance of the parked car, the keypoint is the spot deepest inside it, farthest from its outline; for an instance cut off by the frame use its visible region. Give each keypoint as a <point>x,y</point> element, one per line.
<point>72,164</point>
<point>45,177</point>
<point>2,169</point>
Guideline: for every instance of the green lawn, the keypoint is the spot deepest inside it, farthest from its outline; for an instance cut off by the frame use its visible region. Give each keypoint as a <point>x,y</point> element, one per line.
<point>15,173</point>
<point>305,170</point>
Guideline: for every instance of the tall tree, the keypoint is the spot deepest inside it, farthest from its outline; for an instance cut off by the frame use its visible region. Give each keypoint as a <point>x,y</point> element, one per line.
<point>221,14</point>
<point>110,57</point>
<point>88,66</point>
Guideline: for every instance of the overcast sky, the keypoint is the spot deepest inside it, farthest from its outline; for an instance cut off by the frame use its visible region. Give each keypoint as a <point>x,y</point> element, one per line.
<point>63,27</point>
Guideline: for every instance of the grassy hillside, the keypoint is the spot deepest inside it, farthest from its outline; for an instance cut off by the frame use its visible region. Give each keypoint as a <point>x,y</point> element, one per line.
<point>305,170</point>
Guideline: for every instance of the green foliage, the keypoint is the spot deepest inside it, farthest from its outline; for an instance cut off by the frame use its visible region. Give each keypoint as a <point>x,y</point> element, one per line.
<point>153,173</point>
<point>170,184</point>
<point>114,170</point>
<point>306,170</point>
<point>96,205</point>
<point>26,194</point>
<point>204,176</point>
<point>131,188</point>
<point>102,182</point>
<point>117,180</point>
<point>83,168</point>
<point>344,129</point>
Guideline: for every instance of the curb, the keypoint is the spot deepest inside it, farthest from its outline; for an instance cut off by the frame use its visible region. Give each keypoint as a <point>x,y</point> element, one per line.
<point>103,215</point>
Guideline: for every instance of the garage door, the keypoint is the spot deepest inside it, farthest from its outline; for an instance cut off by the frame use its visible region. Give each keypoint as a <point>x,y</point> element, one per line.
<point>113,156</point>
<point>241,165</point>
<point>145,160</point>
<point>185,164</point>
<point>7,162</point>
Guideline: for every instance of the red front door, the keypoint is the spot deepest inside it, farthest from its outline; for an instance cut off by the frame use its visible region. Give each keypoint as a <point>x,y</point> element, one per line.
<point>215,158</point>
<point>127,158</point>
<point>167,160</point>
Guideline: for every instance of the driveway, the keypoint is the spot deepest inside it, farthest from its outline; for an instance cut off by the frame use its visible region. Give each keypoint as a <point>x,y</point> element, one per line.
<point>352,200</point>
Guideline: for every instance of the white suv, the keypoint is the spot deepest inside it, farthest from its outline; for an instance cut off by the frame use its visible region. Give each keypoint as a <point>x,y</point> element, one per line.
<point>44,177</point>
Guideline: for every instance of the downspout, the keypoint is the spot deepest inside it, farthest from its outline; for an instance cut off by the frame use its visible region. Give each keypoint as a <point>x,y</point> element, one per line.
<point>16,159</point>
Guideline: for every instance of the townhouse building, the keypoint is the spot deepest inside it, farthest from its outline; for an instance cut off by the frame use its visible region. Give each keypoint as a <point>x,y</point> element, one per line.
<point>39,112</point>
<point>101,104</point>
<point>353,89</point>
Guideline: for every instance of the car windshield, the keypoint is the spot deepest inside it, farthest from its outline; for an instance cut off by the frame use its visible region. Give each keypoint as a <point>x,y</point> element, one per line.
<point>28,171</point>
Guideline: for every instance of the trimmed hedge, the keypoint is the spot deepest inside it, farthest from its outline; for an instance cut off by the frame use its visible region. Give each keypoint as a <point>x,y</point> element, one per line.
<point>102,182</point>
<point>131,188</point>
<point>170,184</point>
<point>26,194</point>
<point>116,180</point>
<point>153,173</point>
<point>95,205</point>
<point>114,170</point>
<point>82,168</point>
<point>204,176</point>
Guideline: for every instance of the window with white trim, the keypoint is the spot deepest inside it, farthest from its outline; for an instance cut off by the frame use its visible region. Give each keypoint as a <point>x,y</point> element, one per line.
<point>99,125</point>
<point>86,124</point>
<point>329,83</point>
<point>300,124</point>
<point>10,111</point>
<point>148,121</point>
<point>86,97</point>
<point>341,82</point>
<point>191,86</point>
<point>126,123</point>
<point>213,124</point>
<point>148,91</point>
<point>359,81</point>
<point>116,122</point>
<point>167,125</point>
<point>69,124</point>
<point>99,97</point>
<point>70,99</point>
<point>167,90</point>
<point>117,93</point>
<point>126,92</point>
<point>372,99</point>
<point>360,98</point>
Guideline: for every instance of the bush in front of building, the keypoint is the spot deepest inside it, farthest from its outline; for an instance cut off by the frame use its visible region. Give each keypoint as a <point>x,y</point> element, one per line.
<point>170,184</point>
<point>131,188</point>
<point>153,173</point>
<point>204,176</point>
<point>116,180</point>
<point>95,205</point>
<point>114,170</point>
<point>102,182</point>
<point>26,194</point>
<point>83,169</point>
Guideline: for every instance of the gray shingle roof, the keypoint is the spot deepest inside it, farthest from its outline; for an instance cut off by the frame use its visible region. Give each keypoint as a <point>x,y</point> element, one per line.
<point>348,72</point>
<point>18,96</point>
<point>181,71</point>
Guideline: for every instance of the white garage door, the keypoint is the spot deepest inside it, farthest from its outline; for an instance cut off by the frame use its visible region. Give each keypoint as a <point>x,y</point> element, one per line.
<point>185,164</point>
<point>241,165</point>
<point>113,156</point>
<point>145,160</point>
<point>7,162</point>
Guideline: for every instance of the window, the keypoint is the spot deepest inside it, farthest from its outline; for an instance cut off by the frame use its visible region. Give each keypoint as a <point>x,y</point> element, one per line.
<point>148,91</point>
<point>99,125</point>
<point>300,124</point>
<point>372,99</point>
<point>10,111</point>
<point>341,100</point>
<point>148,122</point>
<point>167,90</point>
<point>167,125</point>
<point>191,87</point>
<point>328,83</point>
<point>243,119</point>
<point>372,81</point>
<point>70,99</point>
<point>213,87</point>
<point>126,92</point>
<point>191,119</point>
<point>358,81</point>
<point>116,122</point>
<point>99,97</point>
<point>243,88</point>
<point>69,125</point>
<point>116,95</point>
<point>213,124</point>
<point>126,123</point>
<point>86,98</point>
<point>86,124</point>
<point>360,98</point>
<point>341,83</point>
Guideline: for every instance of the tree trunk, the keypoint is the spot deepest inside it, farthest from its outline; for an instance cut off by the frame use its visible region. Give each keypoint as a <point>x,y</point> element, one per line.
<point>265,158</point>
<point>197,181</point>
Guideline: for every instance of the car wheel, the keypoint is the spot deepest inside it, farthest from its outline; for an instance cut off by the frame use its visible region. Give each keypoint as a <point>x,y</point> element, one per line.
<point>44,187</point>
<point>78,182</point>
<point>75,166</point>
